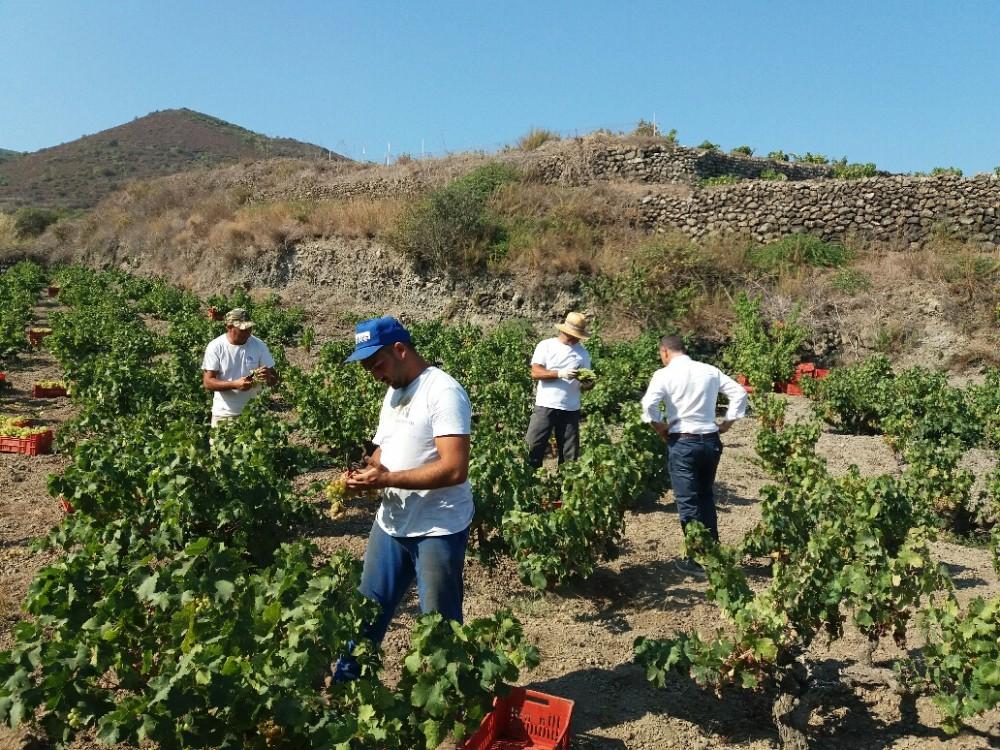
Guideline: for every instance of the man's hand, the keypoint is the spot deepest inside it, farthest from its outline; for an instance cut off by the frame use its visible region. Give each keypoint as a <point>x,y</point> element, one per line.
<point>243,384</point>
<point>568,373</point>
<point>661,429</point>
<point>373,477</point>
<point>725,424</point>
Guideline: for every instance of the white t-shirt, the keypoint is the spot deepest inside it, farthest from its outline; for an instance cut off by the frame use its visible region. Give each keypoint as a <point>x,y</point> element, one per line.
<point>553,354</point>
<point>232,362</point>
<point>431,406</point>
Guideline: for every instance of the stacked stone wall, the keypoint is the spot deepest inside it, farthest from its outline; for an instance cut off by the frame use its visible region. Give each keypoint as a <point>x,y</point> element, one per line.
<point>587,161</point>
<point>888,209</point>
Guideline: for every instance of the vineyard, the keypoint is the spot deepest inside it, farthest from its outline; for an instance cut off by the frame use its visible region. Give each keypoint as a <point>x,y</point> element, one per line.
<point>199,590</point>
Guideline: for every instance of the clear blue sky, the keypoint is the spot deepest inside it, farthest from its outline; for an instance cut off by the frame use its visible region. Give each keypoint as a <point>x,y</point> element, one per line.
<point>907,84</point>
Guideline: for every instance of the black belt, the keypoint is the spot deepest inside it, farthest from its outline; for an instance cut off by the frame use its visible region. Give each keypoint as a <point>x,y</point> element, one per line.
<point>693,435</point>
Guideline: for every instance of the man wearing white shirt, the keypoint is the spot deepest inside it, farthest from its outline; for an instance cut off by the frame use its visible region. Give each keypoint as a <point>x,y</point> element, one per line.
<point>230,364</point>
<point>555,365</point>
<point>680,405</point>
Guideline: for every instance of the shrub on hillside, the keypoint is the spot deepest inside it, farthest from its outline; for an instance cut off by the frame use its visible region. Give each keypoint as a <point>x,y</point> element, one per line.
<point>764,352</point>
<point>778,155</point>
<point>844,171</point>
<point>798,250</point>
<point>771,175</point>
<point>452,228</point>
<point>535,138</point>
<point>811,158</point>
<point>709,146</point>
<point>742,151</point>
<point>659,285</point>
<point>722,179</point>
<point>953,171</point>
<point>31,222</point>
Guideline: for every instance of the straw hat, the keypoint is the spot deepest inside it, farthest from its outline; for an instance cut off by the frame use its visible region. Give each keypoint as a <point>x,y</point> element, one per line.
<point>575,326</point>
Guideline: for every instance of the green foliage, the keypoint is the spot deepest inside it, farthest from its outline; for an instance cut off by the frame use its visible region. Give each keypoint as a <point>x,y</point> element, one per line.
<point>178,612</point>
<point>851,281</point>
<point>842,548</point>
<point>951,171</point>
<point>960,665</point>
<point>771,175</point>
<point>19,287</point>
<point>722,179</point>
<point>31,222</point>
<point>452,227</point>
<point>645,128</point>
<point>844,171</point>
<point>709,146</point>
<point>798,250</point>
<point>766,353</point>
<point>742,151</point>
<point>810,158</point>
<point>659,285</point>
<point>851,398</point>
<point>453,670</point>
<point>778,155</point>
<point>273,323</point>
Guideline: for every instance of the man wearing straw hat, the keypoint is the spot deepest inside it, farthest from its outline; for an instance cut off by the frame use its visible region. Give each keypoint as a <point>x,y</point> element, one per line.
<point>555,365</point>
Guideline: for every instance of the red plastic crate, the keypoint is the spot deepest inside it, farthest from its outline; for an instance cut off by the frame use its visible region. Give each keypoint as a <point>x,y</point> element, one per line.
<point>819,374</point>
<point>35,445</point>
<point>742,380</point>
<point>792,389</point>
<point>524,719</point>
<point>35,337</point>
<point>38,391</point>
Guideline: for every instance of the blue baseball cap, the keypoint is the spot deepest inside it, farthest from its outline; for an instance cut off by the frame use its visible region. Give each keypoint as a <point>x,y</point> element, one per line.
<point>372,335</point>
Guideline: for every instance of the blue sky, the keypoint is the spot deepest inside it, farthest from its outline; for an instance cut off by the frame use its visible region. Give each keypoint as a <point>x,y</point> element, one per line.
<point>909,85</point>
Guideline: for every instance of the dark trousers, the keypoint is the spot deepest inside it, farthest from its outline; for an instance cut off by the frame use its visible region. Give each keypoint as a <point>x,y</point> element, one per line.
<point>693,462</point>
<point>566,425</point>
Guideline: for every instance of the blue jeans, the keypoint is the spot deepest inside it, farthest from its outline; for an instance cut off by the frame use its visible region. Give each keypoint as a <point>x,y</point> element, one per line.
<point>693,462</point>
<point>391,564</point>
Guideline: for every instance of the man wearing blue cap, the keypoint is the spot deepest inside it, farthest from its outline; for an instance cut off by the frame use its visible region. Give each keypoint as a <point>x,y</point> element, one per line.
<point>421,467</point>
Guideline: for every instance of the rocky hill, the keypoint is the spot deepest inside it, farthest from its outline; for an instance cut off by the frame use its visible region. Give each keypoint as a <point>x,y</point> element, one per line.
<point>79,173</point>
<point>6,154</point>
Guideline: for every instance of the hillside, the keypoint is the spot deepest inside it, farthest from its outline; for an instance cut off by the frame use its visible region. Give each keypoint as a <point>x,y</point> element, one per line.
<point>6,154</point>
<point>79,173</point>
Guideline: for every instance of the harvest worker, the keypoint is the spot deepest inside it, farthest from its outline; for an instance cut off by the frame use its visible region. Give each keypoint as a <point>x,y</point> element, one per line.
<point>556,363</point>
<point>421,466</point>
<point>231,362</point>
<point>680,404</point>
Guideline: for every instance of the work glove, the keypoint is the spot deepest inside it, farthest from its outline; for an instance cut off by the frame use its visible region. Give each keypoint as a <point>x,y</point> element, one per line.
<point>567,373</point>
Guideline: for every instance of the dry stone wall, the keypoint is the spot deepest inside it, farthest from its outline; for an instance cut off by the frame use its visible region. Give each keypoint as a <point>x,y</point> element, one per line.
<point>890,209</point>
<point>584,161</point>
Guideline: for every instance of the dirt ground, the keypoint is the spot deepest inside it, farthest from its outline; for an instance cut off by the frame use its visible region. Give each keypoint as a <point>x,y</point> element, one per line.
<point>585,631</point>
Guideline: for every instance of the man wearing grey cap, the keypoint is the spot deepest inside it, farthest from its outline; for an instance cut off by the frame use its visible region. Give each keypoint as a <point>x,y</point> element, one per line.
<point>234,366</point>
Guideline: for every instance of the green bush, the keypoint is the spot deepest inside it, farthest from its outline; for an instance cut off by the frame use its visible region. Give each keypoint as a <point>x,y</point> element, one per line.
<point>772,175</point>
<point>766,353</point>
<point>31,222</point>
<point>742,151</point>
<point>645,128</point>
<point>850,281</point>
<point>709,146</point>
<point>452,228</point>
<point>777,155</point>
<point>722,179</point>
<point>953,171</point>
<point>844,171</point>
<point>811,158</point>
<point>798,250</point>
